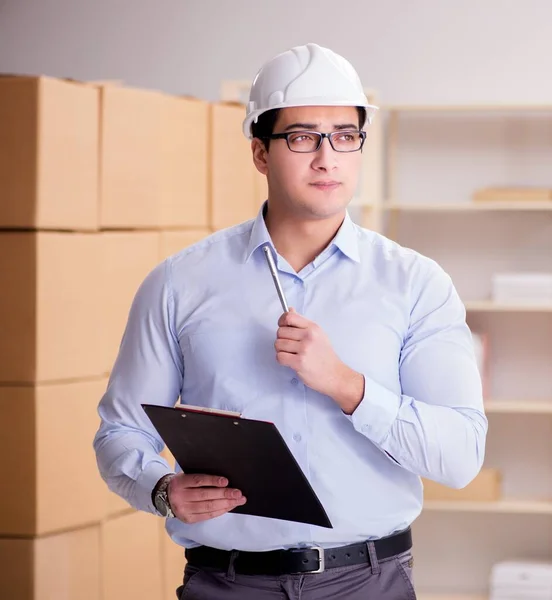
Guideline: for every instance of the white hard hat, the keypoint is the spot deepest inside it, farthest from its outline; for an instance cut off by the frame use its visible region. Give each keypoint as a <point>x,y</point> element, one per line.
<point>305,76</point>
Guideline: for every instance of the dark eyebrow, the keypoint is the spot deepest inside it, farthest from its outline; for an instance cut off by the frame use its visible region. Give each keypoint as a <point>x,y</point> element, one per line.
<point>346,126</point>
<point>312,126</point>
<point>303,126</point>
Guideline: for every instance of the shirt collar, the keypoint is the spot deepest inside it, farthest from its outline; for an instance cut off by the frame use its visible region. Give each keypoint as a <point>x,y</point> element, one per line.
<point>259,234</point>
<point>346,238</point>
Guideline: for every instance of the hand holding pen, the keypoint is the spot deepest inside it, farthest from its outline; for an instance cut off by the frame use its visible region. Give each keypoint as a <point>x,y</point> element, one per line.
<point>303,346</point>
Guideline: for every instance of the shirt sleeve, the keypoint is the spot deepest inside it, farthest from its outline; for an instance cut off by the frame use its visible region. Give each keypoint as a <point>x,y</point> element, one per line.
<point>149,369</point>
<point>436,428</point>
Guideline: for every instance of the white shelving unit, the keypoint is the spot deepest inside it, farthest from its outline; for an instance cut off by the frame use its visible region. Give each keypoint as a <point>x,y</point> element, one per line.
<point>450,597</point>
<point>539,206</point>
<point>506,506</point>
<point>435,157</point>
<point>521,407</point>
<point>490,306</point>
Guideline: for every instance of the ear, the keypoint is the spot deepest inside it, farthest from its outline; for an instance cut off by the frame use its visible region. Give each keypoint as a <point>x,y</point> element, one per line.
<point>259,155</point>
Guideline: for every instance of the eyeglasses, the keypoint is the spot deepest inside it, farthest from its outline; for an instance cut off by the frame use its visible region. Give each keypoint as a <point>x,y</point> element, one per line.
<point>310,141</point>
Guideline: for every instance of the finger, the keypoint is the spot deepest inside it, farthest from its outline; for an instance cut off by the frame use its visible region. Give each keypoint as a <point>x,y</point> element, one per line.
<point>287,359</point>
<point>199,511</point>
<point>195,508</point>
<point>202,494</point>
<point>201,480</point>
<point>293,319</point>
<point>290,333</point>
<point>290,346</point>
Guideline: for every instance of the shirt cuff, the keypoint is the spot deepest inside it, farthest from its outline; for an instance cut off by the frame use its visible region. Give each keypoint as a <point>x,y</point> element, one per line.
<point>146,482</point>
<point>377,411</point>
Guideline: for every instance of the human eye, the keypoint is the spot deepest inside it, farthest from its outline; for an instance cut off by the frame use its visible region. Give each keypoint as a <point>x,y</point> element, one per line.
<point>302,137</point>
<point>348,136</point>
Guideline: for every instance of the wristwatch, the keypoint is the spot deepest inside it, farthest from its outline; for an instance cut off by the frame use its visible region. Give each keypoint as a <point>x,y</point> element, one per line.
<point>161,497</point>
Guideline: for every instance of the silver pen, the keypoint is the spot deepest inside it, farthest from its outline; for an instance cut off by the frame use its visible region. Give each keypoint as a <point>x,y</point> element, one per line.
<point>274,273</point>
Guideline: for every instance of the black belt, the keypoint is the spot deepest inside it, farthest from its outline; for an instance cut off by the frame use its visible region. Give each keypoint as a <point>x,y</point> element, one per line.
<point>313,559</point>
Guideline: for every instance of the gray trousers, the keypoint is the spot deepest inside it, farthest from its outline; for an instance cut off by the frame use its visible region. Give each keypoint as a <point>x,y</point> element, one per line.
<point>389,579</point>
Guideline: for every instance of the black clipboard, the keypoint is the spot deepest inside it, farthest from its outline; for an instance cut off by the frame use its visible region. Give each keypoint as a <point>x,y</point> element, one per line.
<point>251,454</point>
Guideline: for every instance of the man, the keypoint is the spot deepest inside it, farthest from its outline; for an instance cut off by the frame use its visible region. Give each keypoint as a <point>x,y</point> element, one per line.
<point>371,377</point>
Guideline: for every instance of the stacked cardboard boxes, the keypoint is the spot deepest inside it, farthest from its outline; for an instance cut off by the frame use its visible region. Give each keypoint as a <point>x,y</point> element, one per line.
<point>131,557</point>
<point>51,348</point>
<point>154,160</point>
<point>237,188</point>
<point>98,184</point>
<point>64,566</point>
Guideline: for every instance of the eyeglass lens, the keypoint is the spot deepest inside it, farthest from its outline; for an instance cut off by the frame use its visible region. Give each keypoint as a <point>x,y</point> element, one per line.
<point>309,141</point>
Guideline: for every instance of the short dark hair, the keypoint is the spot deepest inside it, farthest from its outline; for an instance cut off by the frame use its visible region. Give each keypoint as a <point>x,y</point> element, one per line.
<point>265,125</point>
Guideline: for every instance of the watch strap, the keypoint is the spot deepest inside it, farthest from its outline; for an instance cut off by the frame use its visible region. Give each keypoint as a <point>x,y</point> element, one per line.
<point>160,496</point>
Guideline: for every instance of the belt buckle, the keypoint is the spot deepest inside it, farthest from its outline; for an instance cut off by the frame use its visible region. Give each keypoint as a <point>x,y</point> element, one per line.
<point>321,560</point>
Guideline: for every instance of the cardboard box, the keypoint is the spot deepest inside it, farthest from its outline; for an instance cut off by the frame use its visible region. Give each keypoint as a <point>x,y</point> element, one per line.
<point>173,562</point>
<point>116,506</point>
<point>513,194</point>
<point>131,557</point>
<point>167,455</point>
<point>48,154</point>
<point>486,487</point>
<point>234,183</point>
<point>50,307</point>
<point>127,258</point>
<point>184,180</point>
<point>171,242</point>
<point>130,158</point>
<point>46,455</point>
<point>520,287</point>
<point>65,566</point>
<point>154,160</point>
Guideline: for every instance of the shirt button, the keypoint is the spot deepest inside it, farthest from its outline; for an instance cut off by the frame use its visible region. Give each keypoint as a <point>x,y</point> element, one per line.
<point>294,381</point>
<point>297,281</point>
<point>297,437</point>
<point>365,428</point>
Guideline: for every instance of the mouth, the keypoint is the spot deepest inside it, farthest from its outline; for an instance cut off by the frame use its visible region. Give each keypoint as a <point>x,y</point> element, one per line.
<point>325,185</point>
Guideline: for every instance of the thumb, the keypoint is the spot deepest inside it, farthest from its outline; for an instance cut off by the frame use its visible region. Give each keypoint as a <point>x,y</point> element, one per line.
<point>291,309</point>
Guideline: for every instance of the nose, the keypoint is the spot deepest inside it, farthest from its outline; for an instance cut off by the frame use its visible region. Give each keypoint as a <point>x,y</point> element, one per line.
<point>325,158</point>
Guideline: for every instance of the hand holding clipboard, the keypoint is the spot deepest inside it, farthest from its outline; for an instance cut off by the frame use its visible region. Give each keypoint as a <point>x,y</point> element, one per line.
<point>216,450</point>
<point>250,455</point>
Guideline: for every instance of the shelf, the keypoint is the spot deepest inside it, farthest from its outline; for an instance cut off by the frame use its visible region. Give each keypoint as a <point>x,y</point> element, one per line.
<point>422,596</point>
<point>534,407</point>
<point>520,206</point>
<point>507,506</point>
<point>465,107</point>
<point>490,306</point>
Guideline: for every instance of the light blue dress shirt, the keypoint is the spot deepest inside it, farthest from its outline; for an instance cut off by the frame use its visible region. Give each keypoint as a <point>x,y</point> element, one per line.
<point>203,325</point>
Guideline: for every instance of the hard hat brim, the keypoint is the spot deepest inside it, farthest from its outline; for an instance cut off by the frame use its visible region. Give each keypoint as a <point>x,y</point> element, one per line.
<point>254,115</point>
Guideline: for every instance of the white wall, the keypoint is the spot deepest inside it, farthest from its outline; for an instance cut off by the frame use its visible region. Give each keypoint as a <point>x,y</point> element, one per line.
<point>424,51</point>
